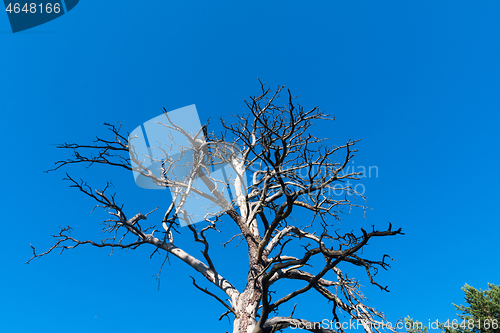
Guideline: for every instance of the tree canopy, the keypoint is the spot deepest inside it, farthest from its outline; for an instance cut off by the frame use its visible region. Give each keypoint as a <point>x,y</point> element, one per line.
<point>480,315</point>
<point>291,173</point>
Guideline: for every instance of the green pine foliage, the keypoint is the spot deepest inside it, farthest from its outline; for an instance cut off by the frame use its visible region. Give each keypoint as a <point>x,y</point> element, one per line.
<point>480,315</point>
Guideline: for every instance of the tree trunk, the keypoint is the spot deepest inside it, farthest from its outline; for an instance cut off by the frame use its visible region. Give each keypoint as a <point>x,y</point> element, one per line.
<point>248,302</point>
<point>246,310</point>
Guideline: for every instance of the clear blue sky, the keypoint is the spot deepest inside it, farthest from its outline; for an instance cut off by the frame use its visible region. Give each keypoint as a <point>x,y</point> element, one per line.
<point>417,81</point>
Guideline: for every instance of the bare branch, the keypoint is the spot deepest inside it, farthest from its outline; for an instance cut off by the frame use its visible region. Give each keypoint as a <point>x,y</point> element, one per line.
<point>293,173</point>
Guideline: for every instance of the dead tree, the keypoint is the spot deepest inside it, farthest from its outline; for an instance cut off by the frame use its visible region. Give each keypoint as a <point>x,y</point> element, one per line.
<point>291,170</point>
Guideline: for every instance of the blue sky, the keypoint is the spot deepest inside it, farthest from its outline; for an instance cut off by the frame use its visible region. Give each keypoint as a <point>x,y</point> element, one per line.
<point>418,82</point>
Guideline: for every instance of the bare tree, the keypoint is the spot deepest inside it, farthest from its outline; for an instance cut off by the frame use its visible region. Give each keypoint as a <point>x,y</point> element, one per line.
<point>292,172</point>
